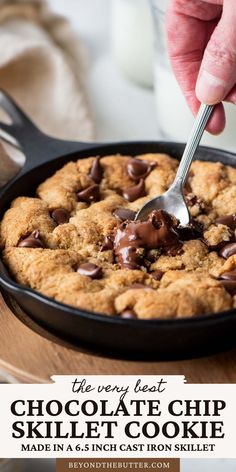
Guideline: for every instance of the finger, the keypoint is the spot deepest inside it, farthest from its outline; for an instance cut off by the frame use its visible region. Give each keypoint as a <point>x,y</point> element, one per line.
<point>217,74</point>
<point>187,38</point>
<point>231,97</point>
<point>189,26</point>
<point>201,9</point>
<point>216,123</point>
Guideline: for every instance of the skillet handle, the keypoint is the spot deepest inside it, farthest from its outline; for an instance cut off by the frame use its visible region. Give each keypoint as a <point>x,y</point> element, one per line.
<point>24,134</point>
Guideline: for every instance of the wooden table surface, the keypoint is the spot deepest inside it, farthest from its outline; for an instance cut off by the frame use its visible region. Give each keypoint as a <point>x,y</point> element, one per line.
<point>32,355</point>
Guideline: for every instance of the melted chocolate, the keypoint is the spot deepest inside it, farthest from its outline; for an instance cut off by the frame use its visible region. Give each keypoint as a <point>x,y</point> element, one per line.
<point>138,169</point>
<point>133,193</point>
<point>108,243</point>
<point>32,241</point>
<point>90,194</point>
<point>193,231</point>
<point>96,172</point>
<point>157,232</point>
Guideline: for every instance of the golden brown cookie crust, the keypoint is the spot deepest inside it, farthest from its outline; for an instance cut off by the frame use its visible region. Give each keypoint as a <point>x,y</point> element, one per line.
<point>191,283</point>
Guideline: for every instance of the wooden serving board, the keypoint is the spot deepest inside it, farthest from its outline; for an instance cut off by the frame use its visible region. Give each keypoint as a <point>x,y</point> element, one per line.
<point>30,354</point>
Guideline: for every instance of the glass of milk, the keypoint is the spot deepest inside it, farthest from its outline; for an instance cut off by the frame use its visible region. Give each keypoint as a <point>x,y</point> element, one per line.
<point>132,40</point>
<point>174,117</point>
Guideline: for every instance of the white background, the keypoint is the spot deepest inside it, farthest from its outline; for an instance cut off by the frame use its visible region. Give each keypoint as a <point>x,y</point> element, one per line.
<point>121,109</point>
<point>62,390</point>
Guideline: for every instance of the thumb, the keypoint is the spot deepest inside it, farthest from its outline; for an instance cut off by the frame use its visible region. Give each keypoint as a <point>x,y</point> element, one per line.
<point>217,74</point>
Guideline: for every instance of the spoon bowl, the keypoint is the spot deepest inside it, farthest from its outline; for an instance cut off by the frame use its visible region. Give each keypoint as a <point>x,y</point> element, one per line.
<point>173,200</point>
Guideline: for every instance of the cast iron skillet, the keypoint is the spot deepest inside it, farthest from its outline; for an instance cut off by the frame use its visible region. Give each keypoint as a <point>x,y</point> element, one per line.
<point>110,336</point>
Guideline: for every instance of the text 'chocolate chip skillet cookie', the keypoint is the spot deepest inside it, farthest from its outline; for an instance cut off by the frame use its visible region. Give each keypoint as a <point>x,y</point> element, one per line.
<point>77,242</point>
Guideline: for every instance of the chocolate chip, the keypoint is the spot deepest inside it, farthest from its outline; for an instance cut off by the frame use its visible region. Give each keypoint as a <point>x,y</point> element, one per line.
<point>133,193</point>
<point>108,243</point>
<point>138,169</point>
<point>96,172</point>
<point>229,275</point>
<point>228,281</point>
<point>157,274</point>
<point>61,216</point>
<point>128,315</point>
<point>228,250</point>
<point>89,194</point>
<point>124,214</point>
<point>32,241</point>
<point>229,285</point>
<point>137,286</point>
<point>229,221</point>
<point>90,270</point>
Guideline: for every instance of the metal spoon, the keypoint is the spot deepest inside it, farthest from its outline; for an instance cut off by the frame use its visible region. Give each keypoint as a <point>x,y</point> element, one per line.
<point>173,200</point>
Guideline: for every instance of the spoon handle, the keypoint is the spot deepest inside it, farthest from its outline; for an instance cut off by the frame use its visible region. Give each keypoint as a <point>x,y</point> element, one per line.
<point>201,121</point>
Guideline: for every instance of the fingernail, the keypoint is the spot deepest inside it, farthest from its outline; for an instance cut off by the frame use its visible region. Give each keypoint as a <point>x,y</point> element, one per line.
<point>210,89</point>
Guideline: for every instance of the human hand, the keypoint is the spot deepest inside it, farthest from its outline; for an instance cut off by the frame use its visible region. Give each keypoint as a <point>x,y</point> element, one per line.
<point>202,47</point>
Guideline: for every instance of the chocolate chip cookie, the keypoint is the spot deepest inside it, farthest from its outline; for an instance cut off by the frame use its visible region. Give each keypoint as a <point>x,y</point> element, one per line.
<point>77,240</point>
